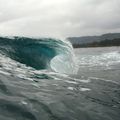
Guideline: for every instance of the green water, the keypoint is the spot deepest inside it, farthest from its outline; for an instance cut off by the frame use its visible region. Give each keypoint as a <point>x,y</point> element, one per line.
<point>91,94</point>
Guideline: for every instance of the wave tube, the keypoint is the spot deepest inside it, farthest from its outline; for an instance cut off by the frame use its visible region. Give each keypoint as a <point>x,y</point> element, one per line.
<point>43,53</point>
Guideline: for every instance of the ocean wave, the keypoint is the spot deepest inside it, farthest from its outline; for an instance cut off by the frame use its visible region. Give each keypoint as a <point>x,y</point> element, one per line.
<point>39,53</point>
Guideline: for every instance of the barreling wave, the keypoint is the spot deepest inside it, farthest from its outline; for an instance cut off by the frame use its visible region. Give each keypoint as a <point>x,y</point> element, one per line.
<point>42,53</point>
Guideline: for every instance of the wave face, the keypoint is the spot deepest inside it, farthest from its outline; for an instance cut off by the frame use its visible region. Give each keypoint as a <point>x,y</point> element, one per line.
<point>40,54</point>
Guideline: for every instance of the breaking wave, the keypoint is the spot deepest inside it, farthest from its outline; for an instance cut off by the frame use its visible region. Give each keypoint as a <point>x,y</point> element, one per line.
<point>39,53</point>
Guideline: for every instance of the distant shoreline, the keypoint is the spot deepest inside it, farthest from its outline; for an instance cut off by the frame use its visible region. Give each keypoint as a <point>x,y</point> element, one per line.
<point>105,40</point>
<point>104,43</point>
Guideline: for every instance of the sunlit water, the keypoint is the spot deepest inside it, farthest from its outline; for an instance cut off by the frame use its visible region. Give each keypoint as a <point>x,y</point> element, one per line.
<point>91,94</point>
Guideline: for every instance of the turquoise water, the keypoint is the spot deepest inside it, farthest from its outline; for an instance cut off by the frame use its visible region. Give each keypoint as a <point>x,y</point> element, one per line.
<point>93,93</point>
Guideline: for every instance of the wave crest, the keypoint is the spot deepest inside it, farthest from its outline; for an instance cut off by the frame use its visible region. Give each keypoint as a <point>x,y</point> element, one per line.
<point>42,53</point>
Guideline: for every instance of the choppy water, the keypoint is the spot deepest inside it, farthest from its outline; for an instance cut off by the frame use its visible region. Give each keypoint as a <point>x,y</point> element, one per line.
<point>91,94</point>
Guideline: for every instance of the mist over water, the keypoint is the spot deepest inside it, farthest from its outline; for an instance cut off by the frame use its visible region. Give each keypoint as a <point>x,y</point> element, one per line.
<point>27,93</point>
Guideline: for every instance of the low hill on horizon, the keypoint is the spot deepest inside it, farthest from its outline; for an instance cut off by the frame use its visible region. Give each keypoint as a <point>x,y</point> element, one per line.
<point>93,41</point>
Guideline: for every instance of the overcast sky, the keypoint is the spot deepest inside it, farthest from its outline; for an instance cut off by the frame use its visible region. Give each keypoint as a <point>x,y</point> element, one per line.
<point>59,18</point>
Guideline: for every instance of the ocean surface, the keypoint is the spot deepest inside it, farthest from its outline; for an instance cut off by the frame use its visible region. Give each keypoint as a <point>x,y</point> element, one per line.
<point>48,80</point>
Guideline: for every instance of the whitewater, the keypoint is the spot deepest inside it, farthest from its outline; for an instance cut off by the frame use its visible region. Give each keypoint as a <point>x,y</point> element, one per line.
<point>46,79</point>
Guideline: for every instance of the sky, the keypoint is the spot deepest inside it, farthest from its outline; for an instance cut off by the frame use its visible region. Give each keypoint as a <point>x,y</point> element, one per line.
<point>59,18</point>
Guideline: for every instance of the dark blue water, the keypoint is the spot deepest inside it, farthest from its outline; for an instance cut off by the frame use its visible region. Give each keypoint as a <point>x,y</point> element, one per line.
<point>30,93</point>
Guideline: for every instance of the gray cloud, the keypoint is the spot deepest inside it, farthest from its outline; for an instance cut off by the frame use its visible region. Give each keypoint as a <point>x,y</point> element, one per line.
<point>59,18</point>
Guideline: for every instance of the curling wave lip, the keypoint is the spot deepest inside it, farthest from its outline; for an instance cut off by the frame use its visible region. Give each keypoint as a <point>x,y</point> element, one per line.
<point>39,53</point>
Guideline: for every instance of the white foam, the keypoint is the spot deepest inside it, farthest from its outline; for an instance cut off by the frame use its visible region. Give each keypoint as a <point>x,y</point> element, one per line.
<point>5,73</point>
<point>23,102</point>
<point>84,89</point>
<point>72,82</point>
<point>70,88</point>
<point>104,59</point>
